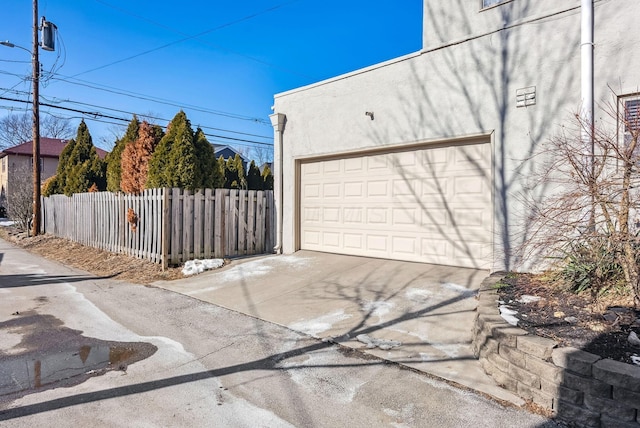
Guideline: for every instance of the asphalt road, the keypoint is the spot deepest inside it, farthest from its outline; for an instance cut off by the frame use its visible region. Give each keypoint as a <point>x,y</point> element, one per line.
<point>198,365</point>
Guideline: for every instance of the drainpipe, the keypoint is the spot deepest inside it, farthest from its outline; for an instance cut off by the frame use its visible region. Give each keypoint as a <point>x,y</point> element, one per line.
<point>277,121</point>
<point>586,55</point>
<point>586,113</point>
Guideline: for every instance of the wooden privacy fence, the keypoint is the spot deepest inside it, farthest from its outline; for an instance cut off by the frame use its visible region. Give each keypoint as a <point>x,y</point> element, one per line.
<point>167,226</point>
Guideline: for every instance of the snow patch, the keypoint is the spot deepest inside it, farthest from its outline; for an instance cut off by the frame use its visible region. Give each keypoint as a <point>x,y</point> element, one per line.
<point>194,267</point>
<point>378,308</point>
<point>4,222</point>
<point>635,360</point>
<point>261,267</point>
<point>459,289</point>
<point>509,315</point>
<point>372,342</point>
<point>451,350</point>
<point>525,298</point>
<point>314,327</point>
<point>418,295</point>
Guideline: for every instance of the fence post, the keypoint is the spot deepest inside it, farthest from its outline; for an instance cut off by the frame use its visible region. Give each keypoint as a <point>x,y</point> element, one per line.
<point>166,227</point>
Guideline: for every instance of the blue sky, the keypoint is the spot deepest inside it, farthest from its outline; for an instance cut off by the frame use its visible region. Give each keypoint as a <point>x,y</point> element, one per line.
<point>115,56</point>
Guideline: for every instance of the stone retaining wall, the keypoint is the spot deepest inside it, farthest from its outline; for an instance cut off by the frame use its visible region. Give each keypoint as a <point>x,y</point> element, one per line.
<point>577,386</point>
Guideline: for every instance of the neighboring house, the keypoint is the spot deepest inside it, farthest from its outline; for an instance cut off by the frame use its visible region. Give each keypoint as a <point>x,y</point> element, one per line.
<point>228,152</point>
<point>426,157</point>
<point>265,165</point>
<point>18,159</point>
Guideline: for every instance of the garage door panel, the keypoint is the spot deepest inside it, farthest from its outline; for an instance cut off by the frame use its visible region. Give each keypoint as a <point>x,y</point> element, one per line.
<point>403,187</point>
<point>469,185</point>
<point>331,239</point>
<point>377,216</point>
<point>331,190</point>
<point>354,189</point>
<point>378,188</point>
<point>404,245</point>
<point>470,218</point>
<point>311,238</point>
<point>311,215</point>
<point>353,215</point>
<point>311,190</point>
<point>404,217</point>
<point>429,205</point>
<point>433,187</point>
<point>331,167</point>
<point>377,162</point>
<point>377,243</point>
<point>331,215</point>
<point>354,165</point>
<point>354,241</point>
<point>431,247</point>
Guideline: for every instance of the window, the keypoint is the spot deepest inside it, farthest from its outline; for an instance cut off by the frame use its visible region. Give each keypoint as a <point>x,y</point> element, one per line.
<point>41,164</point>
<point>632,115</point>
<point>629,118</point>
<point>489,3</point>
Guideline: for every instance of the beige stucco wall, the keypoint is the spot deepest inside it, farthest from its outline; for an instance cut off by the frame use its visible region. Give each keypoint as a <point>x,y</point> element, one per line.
<point>12,163</point>
<point>467,89</point>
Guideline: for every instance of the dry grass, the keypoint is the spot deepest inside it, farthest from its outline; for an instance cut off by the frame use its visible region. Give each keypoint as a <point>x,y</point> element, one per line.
<point>98,262</point>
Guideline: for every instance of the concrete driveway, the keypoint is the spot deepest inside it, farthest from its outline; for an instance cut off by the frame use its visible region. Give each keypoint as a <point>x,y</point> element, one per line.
<point>418,315</point>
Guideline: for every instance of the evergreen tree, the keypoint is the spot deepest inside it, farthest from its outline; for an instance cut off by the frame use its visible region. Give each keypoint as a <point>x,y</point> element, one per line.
<point>80,166</point>
<point>254,179</point>
<point>58,181</point>
<point>242,178</point>
<point>208,169</point>
<point>135,158</point>
<point>267,178</point>
<point>181,168</point>
<point>231,174</point>
<point>113,159</point>
<point>174,163</point>
<point>158,174</point>
<point>222,167</point>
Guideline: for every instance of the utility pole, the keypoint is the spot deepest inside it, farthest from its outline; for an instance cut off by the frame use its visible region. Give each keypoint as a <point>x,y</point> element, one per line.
<point>48,44</point>
<point>35,227</point>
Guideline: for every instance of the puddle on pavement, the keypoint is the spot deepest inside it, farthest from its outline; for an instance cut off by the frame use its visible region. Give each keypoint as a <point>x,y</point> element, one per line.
<point>51,356</point>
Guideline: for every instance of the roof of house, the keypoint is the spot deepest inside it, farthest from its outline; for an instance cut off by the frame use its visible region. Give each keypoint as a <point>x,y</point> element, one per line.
<point>218,149</point>
<point>49,148</point>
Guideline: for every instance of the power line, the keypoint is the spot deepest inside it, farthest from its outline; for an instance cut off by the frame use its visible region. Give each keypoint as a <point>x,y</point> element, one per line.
<point>16,61</point>
<point>17,92</point>
<point>94,115</point>
<point>205,42</point>
<point>142,97</point>
<point>175,42</point>
<point>158,100</point>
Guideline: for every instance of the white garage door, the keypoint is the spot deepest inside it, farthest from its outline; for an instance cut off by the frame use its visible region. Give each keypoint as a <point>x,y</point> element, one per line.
<point>431,205</point>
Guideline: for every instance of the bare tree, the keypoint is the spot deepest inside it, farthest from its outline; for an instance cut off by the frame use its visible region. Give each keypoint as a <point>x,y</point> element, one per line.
<point>17,128</point>
<point>262,154</point>
<point>56,127</point>
<point>20,196</point>
<point>590,221</point>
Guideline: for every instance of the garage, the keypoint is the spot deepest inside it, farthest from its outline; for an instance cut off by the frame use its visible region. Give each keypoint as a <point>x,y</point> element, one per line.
<point>430,204</point>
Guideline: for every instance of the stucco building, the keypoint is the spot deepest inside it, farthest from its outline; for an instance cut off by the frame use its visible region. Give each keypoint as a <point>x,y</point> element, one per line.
<point>426,157</point>
<point>16,163</point>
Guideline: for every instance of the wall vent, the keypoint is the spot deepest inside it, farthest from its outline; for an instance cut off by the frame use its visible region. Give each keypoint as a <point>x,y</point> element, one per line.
<point>526,96</point>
